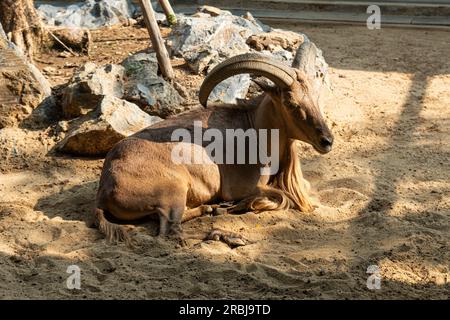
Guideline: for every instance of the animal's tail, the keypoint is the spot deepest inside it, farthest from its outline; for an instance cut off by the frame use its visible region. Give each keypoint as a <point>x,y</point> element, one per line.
<point>266,199</point>
<point>112,231</point>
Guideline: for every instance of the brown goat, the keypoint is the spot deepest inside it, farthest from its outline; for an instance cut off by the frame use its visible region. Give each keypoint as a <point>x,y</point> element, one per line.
<point>140,178</point>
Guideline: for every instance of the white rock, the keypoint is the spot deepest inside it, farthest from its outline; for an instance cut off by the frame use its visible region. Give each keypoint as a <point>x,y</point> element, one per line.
<point>89,85</point>
<point>96,133</point>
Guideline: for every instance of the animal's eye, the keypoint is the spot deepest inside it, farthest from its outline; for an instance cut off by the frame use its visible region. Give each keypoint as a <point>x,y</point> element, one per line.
<point>291,105</point>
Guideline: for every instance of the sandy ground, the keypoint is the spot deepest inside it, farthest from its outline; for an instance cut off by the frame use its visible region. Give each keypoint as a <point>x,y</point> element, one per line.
<point>384,192</point>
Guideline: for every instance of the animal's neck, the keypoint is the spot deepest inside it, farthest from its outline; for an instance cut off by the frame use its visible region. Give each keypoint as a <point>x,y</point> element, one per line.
<point>266,116</point>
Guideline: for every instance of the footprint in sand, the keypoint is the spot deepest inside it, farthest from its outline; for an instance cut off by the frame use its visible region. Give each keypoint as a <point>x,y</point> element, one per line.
<point>103,268</point>
<point>92,289</point>
<point>273,276</point>
<point>39,236</point>
<point>343,199</point>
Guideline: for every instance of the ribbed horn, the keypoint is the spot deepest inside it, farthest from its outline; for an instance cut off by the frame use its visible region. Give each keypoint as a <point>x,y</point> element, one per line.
<point>305,58</point>
<point>253,63</point>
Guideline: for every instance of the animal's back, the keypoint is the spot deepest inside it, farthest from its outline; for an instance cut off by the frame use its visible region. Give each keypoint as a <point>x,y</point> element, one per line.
<point>140,168</point>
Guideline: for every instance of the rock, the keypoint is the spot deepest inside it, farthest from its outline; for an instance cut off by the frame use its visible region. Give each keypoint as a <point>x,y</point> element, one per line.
<point>279,44</point>
<point>200,15</point>
<point>77,39</point>
<point>43,83</point>
<point>225,34</point>
<point>22,86</point>
<point>88,14</point>
<point>154,95</point>
<point>248,16</point>
<point>88,86</point>
<point>212,11</point>
<point>231,89</point>
<point>210,37</point>
<point>280,54</point>
<point>51,71</point>
<point>63,126</point>
<point>70,65</point>
<point>44,115</point>
<point>184,93</point>
<point>286,40</point>
<point>201,59</point>
<point>145,88</point>
<point>131,22</point>
<point>253,90</point>
<point>160,19</point>
<point>140,62</point>
<point>65,54</point>
<point>98,131</point>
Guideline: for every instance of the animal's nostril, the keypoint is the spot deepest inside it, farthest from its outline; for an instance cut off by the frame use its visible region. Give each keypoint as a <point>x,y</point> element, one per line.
<point>326,142</point>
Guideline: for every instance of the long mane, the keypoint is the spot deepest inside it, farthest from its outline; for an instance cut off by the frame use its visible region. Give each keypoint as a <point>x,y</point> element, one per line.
<point>286,190</point>
<point>290,181</point>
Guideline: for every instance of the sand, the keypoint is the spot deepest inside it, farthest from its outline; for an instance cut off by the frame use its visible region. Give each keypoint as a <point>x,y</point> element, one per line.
<point>384,195</point>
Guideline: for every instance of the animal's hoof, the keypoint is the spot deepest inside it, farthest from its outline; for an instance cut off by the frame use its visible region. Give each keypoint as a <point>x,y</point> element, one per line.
<point>235,242</point>
<point>231,239</point>
<point>178,239</point>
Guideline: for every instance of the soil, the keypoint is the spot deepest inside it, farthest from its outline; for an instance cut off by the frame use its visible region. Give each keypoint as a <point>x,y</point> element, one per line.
<point>384,192</point>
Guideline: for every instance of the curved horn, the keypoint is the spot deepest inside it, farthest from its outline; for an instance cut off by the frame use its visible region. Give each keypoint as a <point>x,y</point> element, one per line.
<point>253,63</point>
<point>305,58</point>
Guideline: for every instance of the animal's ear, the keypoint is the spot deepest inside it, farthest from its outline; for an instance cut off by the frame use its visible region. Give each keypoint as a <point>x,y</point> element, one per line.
<point>267,87</point>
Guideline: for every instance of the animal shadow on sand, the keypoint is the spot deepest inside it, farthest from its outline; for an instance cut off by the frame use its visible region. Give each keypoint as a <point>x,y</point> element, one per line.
<point>77,203</point>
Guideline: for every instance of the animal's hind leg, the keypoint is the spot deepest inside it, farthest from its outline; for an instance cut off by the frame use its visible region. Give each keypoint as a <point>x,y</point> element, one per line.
<point>170,222</point>
<point>213,209</point>
<point>197,212</point>
<point>163,222</point>
<point>175,218</point>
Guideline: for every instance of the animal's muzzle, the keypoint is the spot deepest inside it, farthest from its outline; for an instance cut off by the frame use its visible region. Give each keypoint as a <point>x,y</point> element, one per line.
<point>325,144</point>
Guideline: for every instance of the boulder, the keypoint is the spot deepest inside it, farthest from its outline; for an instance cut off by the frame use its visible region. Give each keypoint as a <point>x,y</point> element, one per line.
<point>228,90</point>
<point>212,11</point>
<point>141,62</point>
<point>248,16</point>
<point>89,85</point>
<point>90,14</point>
<point>22,86</point>
<point>95,133</point>
<point>44,115</point>
<point>145,88</point>
<point>160,19</point>
<point>210,37</point>
<point>201,59</point>
<point>280,54</point>
<point>135,80</point>
<point>77,39</point>
<point>225,34</point>
<point>286,40</point>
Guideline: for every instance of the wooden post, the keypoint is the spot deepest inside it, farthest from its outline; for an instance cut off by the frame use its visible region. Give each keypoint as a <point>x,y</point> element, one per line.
<point>168,11</point>
<point>157,40</point>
